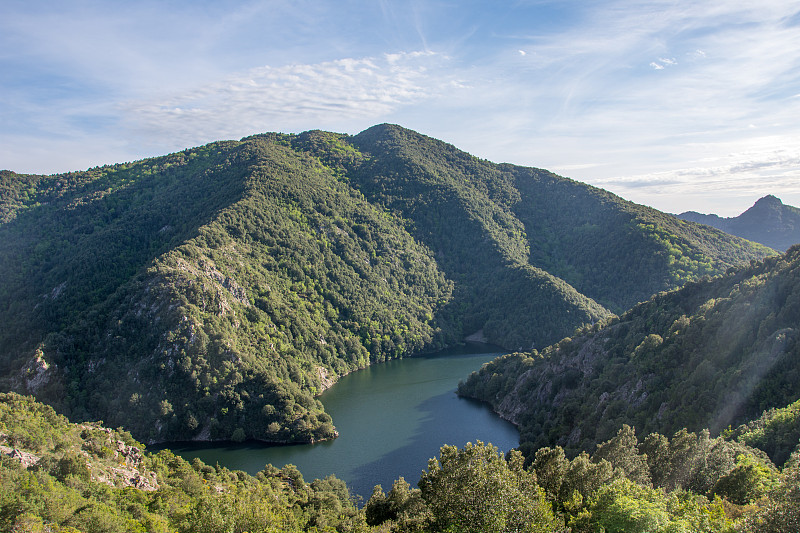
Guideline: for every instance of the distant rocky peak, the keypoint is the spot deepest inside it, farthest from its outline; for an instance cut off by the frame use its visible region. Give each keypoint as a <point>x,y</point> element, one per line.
<point>767,202</point>
<point>769,221</point>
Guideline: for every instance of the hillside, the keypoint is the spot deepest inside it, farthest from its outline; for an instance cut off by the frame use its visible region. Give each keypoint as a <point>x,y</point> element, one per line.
<point>715,353</point>
<point>64,477</point>
<point>615,252</point>
<point>214,292</point>
<point>769,222</point>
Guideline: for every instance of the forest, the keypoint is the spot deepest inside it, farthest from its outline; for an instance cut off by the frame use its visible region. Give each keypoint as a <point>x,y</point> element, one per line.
<point>714,354</point>
<point>214,293</point>
<point>63,477</point>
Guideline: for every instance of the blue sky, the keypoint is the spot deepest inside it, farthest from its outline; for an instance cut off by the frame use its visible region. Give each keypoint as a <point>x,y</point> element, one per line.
<point>675,104</point>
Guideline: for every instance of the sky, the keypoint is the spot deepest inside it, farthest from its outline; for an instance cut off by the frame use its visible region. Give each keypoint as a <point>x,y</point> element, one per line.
<point>680,105</point>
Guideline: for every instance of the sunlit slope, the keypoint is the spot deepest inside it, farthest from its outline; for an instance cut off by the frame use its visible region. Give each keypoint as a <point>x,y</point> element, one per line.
<point>476,215</point>
<point>711,354</point>
<point>209,291</point>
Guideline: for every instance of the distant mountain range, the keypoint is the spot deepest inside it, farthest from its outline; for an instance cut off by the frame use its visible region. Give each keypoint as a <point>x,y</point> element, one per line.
<point>769,222</point>
<point>211,294</point>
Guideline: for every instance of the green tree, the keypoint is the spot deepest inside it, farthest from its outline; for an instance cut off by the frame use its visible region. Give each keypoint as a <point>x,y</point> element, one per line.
<point>623,453</point>
<point>781,512</point>
<point>624,506</point>
<point>583,478</point>
<point>474,489</point>
<point>403,505</point>
<point>747,482</point>
<point>550,465</point>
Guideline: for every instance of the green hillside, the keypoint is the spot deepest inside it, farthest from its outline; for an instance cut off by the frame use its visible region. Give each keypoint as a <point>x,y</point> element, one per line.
<point>209,291</point>
<point>214,292</point>
<point>67,478</point>
<point>715,353</point>
<point>478,216</point>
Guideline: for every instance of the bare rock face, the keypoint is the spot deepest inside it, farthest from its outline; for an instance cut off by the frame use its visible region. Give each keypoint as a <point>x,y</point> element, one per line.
<point>325,379</point>
<point>478,336</point>
<point>36,373</point>
<point>26,459</point>
<point>125,467</point>
<point>125,477</point>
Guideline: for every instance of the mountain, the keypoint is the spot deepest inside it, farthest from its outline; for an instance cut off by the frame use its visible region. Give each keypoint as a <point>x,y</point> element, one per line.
<point>769,222</point>
<point>213,293</point>
<point>712,354</point>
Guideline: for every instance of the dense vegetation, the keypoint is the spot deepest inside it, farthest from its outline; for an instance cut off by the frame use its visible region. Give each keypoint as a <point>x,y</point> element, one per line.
<point>229,279</point>
<point>769,222</point>
<point>62,477</point>
<point>65,491</point>
<point>613,251</point>
<point>715,353</point>
<point>213,293</point>
<point>776,431</point>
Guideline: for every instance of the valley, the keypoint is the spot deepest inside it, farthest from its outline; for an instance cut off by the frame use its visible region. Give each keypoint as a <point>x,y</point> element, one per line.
<point>391,417</point>
<point>204,293</point>
<point>230,292</point>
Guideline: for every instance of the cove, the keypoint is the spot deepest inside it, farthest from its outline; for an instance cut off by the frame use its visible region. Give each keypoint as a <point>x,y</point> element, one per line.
<point>391,417</point>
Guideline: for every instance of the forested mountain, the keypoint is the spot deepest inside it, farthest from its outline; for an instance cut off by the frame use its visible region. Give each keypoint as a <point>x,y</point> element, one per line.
<point>712,354</point>
<point>769,222</point>
<point>613,251</point>
<point>212,293</point>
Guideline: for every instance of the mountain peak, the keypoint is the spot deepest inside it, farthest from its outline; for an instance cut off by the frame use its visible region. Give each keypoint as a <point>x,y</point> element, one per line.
<point>769,221</point>
<point>768,200</point>
<point>768,207</point>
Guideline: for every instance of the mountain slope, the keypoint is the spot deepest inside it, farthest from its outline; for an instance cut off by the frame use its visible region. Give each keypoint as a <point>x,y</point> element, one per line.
<point>212,293</point>
<point>65,477</point>
<point>711,354</point>
<point>217,300</point>
<point>613,251</point>
<point>769,222</point>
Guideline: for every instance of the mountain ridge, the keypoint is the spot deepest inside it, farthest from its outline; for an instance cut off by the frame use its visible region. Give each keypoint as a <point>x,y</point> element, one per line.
<point>714,353</point>
<point>214,292</point>
<point>769,221</point>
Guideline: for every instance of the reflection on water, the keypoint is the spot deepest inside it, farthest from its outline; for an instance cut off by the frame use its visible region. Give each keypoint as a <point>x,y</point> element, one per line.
<point>391,419</point>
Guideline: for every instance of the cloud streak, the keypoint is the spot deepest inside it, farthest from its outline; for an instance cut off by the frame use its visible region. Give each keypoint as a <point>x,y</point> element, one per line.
<point>290,98</point>
<point>641,92</point>
<point>646,97</point>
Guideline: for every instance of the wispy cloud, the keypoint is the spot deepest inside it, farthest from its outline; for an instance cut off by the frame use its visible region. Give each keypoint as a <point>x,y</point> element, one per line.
<point>724,184</point>
<point>586,106</point>
<point>290,98</point>
<point>646,97</point>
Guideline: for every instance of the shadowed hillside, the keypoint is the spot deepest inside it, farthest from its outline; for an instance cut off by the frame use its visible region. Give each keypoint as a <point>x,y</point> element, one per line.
<point>714,353</point>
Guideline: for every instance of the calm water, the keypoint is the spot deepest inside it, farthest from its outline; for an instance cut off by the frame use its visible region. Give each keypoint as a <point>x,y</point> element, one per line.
<point>391,419</point>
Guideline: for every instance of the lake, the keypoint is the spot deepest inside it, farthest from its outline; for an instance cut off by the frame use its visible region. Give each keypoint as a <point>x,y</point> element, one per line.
<point>391,417</point>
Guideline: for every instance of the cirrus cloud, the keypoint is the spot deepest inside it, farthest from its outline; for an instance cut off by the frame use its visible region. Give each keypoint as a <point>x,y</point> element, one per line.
<point>292,97</point>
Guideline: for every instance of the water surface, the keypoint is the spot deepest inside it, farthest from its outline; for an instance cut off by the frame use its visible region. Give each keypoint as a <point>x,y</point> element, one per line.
<point>391,417</point>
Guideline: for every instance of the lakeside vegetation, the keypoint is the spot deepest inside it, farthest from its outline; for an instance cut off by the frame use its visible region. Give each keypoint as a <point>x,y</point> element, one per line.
<point>689,482</point>
<point>214,293</point>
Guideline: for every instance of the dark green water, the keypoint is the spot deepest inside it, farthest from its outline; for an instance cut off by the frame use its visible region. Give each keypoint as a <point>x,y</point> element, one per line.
<point>391,417</point>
